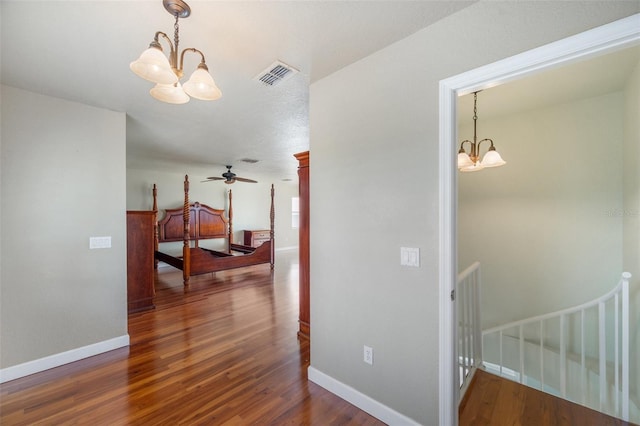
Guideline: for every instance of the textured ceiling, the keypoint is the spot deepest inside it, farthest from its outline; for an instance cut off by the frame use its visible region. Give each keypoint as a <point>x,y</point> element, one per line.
<point>81,50</point>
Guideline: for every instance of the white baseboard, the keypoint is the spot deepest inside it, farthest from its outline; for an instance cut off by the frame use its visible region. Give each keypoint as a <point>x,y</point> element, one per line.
<point>360,400</point>
<point>56,360</point>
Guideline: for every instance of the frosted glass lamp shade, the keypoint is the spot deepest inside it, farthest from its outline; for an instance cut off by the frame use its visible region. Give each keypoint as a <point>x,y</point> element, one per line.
<point>152,65</point>
<point>492,159</point>
<point>170,93</point>
<point>201,86</point>
<point>474,167</point>
<point>464,160</point>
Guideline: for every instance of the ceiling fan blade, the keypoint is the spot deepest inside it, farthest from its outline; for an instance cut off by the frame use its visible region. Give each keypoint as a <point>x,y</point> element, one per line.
<point>245,180</point>
<point>229,177</point>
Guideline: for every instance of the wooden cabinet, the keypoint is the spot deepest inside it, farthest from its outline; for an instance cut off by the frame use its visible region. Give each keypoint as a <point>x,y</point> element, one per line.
<point>140,260</point>
<point>303,189</point>
<point>256,238</point>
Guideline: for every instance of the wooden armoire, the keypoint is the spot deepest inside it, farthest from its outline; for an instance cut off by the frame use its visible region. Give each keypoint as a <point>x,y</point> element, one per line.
<point>303,189</point>
<point>140,260</point>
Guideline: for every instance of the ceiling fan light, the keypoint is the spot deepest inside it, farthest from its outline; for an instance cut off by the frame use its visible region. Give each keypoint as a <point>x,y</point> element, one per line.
<point>464,160</point>
<point>154,66</point>
<point>170,93</point>
<point>202,86</point>
<point>492,159</point>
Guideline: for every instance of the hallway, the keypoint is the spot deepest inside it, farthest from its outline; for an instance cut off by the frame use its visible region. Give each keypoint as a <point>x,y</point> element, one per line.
<point>224,351</point>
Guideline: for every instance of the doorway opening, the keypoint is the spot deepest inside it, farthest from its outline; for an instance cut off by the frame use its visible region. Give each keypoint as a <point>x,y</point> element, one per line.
<point>606,39</point>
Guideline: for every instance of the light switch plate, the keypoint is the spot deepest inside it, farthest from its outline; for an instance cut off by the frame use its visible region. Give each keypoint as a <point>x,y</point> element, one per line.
<point>99,242</point>
<point>410,256</point>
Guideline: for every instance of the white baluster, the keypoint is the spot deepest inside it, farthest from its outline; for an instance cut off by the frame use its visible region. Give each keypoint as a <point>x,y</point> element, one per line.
<point>583,370</point>
<point>477,319</point>
<point>620,297</point>
<point>541,355</point>
<point>521,355</point>
<point>500,352</point>
<point>602,354</point>
<point>616,369</point>
<point>469,342</point>
<point>625,345</point>
<point>563,360</point>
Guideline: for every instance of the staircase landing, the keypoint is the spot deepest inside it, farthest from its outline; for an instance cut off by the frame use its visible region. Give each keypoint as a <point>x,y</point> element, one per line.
<point>493,400</point>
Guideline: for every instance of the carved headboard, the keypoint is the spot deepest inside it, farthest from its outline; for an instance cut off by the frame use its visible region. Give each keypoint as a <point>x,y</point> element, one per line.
<point>204,223</point>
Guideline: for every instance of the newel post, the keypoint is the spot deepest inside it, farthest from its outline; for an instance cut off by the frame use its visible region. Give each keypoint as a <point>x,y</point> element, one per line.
<point>186,252</point>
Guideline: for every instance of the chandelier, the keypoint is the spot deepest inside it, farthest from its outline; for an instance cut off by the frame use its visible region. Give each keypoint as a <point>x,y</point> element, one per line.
<point>154,66</point>
<point>471,162</point>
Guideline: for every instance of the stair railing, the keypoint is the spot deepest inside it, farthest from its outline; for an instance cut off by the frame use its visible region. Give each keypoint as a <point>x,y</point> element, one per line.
<point>594,364</point>
<point>469,328</point>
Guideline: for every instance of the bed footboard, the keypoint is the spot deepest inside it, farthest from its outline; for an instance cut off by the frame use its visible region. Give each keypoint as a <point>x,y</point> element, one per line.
<point>204,261</point>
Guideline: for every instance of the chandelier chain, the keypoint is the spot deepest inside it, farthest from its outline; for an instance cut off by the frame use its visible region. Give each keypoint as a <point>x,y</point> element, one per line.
<point>475,107</point>
<point>176,32</point>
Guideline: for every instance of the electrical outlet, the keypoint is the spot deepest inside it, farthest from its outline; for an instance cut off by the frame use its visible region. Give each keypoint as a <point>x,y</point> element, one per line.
<point>368,355</point>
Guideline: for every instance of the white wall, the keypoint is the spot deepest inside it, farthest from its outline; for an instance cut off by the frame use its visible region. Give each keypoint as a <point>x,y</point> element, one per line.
<point>630,214</point>
<point>63,181</point>
<point>374,188</point>
<point>251,202</point>
<point>542,226</point>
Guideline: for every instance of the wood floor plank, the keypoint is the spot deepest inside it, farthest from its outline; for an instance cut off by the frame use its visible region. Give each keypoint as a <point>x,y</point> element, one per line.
<point>492,400</point>
<point>222,352</point>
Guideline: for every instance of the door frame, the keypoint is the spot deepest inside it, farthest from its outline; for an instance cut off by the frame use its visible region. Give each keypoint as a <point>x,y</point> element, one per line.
<point>608,38</point>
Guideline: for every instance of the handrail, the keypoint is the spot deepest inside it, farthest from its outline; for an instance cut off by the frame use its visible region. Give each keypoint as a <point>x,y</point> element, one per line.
<point>618,404</point>
<point>470,269</point>
<point>625,276</point>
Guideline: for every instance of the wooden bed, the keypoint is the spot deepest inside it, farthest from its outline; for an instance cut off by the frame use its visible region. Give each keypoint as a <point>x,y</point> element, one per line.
<point>194,222</point>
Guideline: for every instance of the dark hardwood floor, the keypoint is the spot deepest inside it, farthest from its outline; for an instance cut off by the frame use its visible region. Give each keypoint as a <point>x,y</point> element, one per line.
<point>492,400</point>
<point>223,352</point>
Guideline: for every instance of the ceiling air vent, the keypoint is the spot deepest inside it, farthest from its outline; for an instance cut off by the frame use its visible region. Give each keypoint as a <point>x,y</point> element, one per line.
<point>249,160</point>
<point>275,73</point>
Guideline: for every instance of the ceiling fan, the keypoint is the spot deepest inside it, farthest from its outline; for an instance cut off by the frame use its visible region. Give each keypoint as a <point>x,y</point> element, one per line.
<point>229,177</point>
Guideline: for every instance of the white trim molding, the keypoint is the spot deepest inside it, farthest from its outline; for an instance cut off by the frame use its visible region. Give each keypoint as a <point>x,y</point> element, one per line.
<point>617,35</point>
<point>360,400</point>
<point>56,360</point>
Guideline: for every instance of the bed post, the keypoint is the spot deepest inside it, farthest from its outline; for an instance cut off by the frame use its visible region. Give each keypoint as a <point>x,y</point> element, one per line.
<point>186,252</point>
<point>271,233</point>
<point>230,236</point>
<point>155,225</point>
